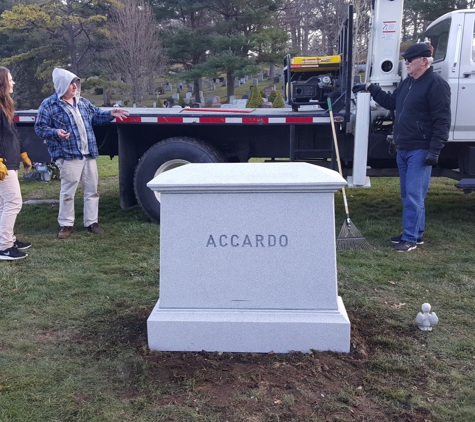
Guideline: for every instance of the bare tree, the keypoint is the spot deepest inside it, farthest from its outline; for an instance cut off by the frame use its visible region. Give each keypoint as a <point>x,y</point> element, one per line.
<point>313,25</point>
<point>360,31</point>
<point>136,54</point>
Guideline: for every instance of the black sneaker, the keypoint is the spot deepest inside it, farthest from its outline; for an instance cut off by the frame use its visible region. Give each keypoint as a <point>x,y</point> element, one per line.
<point>12,254</point>
<point>398,239</point>
<point>404,246</point>
<point>21,245</point>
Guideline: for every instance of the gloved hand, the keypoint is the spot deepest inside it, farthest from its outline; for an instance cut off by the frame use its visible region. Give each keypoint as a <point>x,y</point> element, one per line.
<point>431,159</point>
<point>3,170</point>
<point>26,162</point>
<point>359,88</point>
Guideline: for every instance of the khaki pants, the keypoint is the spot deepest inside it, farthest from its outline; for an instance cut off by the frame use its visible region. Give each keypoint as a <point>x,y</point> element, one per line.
<point>10,206</point>
<point>71,173</point>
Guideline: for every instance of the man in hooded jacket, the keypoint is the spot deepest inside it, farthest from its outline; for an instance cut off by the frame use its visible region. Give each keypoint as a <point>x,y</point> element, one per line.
<point>65,121</point>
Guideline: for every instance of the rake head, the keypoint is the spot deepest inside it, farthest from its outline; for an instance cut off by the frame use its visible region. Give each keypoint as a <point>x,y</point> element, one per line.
<point>350,238</point>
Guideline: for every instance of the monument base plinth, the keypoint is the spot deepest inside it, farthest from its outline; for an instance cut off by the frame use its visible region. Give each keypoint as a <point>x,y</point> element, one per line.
<point>254,331</point>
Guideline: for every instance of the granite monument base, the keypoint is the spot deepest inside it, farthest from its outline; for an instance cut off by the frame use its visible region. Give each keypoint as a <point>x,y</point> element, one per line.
<point>255,331</point>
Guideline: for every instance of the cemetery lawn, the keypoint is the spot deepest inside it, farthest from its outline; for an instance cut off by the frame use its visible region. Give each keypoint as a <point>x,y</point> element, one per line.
<point>73,340</point>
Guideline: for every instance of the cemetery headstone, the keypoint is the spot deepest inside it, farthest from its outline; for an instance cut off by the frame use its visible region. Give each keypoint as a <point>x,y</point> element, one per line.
<point>241,103</point>
<point>268,90</point>
<point>256,281</point>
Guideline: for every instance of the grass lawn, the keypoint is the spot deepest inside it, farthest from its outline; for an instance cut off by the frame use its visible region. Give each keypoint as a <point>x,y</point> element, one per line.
<point>73,341</point>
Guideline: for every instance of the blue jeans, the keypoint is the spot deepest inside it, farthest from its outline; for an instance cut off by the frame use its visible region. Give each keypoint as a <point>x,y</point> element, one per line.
<point>414,179</point>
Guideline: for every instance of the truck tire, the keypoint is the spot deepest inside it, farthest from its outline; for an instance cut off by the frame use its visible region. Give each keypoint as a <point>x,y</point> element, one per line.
<point>163,156</point>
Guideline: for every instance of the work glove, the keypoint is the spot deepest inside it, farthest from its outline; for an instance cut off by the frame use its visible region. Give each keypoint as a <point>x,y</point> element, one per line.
<point>431,159</point>
<point>3,170</point>
<point>26,162</point>
<point>359,88</point>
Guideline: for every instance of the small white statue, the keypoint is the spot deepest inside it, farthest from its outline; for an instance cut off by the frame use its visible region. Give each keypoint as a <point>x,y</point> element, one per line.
<point>424,320</point>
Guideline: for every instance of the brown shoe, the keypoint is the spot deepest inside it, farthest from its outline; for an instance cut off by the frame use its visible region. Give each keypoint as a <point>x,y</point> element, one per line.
<point>65,232</point>
<point>95,229</point>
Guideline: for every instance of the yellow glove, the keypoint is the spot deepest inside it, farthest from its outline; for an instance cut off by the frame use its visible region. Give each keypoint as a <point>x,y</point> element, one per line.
<point>26,162</point>
<point>3,170</point>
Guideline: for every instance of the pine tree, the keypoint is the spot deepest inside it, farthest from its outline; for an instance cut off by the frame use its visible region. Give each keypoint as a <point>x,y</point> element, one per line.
<point>278,101</point>
<point>272,96</point>
<point>255,99</point>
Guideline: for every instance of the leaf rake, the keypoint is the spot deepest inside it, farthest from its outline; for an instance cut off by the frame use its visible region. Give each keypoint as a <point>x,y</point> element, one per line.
<point>350,238</point>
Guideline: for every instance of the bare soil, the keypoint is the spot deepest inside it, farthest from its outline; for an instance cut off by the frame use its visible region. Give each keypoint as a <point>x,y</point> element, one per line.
<point>319,386</point>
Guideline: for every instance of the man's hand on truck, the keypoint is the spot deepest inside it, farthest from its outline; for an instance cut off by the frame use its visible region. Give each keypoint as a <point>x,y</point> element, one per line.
<point>119,113</point>
<point>359,88</point>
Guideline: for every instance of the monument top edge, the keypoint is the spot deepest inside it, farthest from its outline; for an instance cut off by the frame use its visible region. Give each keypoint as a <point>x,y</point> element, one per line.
<point>249,176</point>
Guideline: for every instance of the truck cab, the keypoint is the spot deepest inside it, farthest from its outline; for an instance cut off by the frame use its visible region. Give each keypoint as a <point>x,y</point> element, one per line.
<point>453,39</point>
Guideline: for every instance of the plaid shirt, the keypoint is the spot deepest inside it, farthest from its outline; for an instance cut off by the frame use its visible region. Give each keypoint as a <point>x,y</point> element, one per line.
<point>54,114</point>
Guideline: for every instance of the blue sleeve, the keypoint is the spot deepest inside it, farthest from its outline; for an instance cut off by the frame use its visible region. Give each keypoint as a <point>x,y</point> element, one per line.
<point>44,126</point>
<point>100,117</point>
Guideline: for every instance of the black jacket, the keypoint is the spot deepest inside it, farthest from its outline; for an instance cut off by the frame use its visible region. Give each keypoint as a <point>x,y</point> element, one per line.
<point>422,111</point>
<point>10,145</point>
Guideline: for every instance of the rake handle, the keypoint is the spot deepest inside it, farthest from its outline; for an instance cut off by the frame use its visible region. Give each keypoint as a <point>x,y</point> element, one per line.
<point>337,151</point>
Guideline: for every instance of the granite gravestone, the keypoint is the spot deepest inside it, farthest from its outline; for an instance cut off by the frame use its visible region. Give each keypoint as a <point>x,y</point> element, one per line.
<point>248,260</point>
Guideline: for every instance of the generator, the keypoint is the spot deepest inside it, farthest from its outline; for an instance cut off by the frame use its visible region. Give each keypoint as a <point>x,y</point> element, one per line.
<point>311,80</point>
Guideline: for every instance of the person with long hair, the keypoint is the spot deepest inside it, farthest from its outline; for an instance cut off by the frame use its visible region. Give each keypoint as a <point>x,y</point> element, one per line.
<point>11,154</point>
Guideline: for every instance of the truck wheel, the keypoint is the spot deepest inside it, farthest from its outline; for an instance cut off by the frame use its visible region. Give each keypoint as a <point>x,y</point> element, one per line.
<point>163,156</point>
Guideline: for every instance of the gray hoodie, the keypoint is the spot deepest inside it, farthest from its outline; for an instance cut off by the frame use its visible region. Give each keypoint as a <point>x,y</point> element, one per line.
<point>62,78</point>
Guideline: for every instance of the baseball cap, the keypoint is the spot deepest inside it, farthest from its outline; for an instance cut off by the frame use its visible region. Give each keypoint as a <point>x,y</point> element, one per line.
<point>417,50</point>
